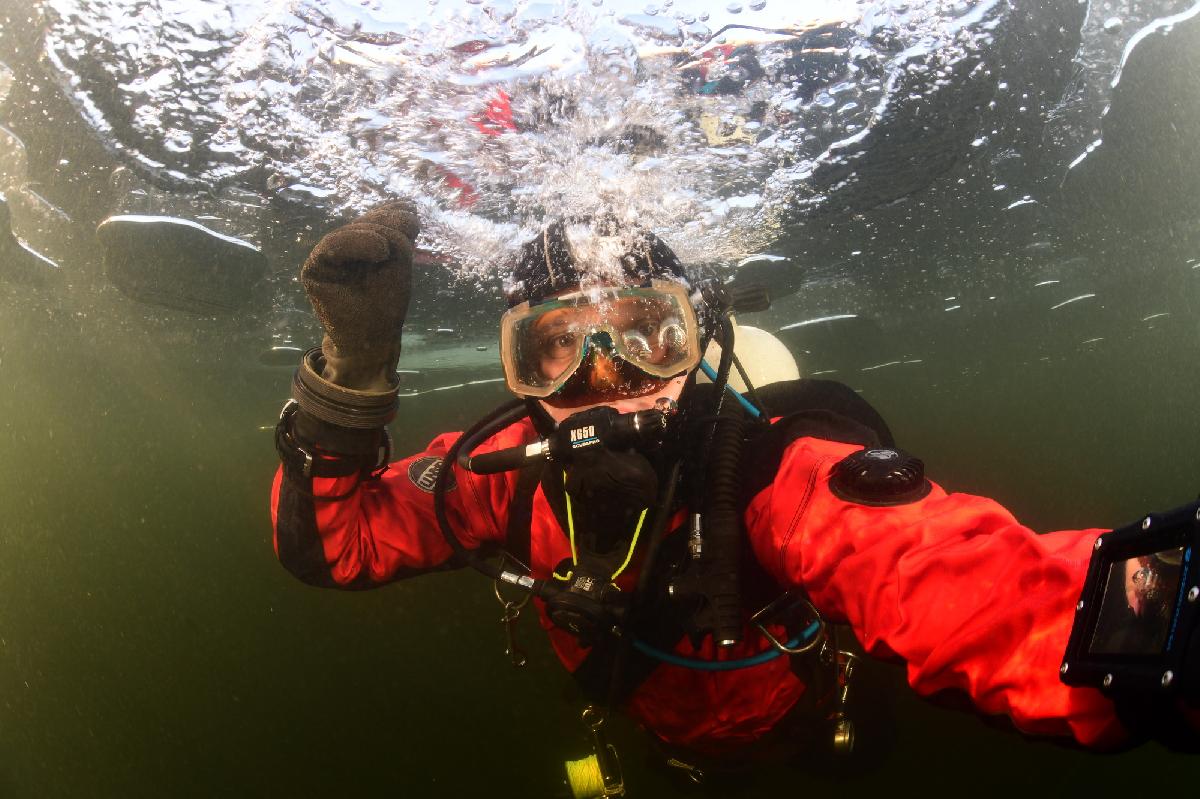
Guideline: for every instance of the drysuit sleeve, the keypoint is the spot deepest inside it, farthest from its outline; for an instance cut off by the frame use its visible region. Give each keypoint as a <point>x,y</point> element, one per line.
<point>385,529</point>
<point>952,584</point>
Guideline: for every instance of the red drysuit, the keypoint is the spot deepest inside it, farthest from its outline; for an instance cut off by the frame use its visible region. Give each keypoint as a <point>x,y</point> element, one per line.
<point>951,584</point>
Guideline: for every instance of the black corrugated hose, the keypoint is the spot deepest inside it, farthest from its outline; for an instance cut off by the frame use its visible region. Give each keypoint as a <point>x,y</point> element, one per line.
<point>723,531</point>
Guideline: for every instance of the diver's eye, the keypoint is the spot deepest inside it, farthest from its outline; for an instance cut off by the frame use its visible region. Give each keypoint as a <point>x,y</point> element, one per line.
<point>647,327</point>
<point>560,346</point>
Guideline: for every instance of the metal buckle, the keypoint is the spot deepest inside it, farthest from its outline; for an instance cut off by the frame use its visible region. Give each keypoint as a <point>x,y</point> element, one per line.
<point>383,459</point>
<point>286,413</point>
<point>607,761</point>
<point>783,603</point>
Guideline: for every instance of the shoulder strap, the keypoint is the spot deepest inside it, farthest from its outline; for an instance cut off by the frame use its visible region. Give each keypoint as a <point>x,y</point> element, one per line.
<point>808,394</point>
<point>818,408</point>
<point>520,512</point>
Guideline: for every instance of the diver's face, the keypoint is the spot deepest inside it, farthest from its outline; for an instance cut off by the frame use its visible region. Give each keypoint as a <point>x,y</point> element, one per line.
<point>645,329</point>
<point>620,346</point>
<point>669,389</point>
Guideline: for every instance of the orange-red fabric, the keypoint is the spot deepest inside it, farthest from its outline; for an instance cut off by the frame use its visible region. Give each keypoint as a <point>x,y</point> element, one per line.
<point>951,584</point>
<point>389,524</point>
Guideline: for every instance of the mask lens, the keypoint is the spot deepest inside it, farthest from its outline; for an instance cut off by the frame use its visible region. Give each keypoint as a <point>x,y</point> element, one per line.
<point>542,348</point>
<point>636,344</point>
<point>652,329</point>
<point>653,334</point>
<point>557,349</point>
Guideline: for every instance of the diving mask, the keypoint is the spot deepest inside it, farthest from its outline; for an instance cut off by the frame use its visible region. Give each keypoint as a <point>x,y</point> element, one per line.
<point>650,331</point>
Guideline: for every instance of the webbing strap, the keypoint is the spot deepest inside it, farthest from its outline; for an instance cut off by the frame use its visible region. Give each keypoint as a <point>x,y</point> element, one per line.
<point>520,512</point>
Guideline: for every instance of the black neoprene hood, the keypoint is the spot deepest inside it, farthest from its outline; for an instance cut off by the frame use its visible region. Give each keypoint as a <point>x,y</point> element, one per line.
<point>547,265</point>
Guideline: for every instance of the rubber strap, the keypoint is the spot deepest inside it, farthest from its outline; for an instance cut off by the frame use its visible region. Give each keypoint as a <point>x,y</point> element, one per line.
<point>303,460</point>
<point>520,512</point>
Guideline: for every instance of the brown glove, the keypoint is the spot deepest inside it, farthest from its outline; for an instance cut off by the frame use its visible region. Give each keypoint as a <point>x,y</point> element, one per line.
<point>358,279</point>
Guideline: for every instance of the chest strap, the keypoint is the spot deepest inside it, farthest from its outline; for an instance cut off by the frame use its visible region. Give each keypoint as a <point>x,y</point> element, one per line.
<point>518,532</point>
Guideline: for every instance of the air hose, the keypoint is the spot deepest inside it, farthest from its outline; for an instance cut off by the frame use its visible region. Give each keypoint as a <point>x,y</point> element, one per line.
<point>699,664</point>
<point>745,403</point>
<point>507,414</point>
<point>722,537</point>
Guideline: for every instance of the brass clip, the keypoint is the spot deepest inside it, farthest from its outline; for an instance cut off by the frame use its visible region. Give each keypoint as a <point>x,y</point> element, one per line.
<point>606,754</point>
<point>694,774</point>
<point>843,727</point>
<point>509,616</point>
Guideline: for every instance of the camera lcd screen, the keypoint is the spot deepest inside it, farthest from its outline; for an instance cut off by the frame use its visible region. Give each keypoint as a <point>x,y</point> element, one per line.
<point>1139,600</point>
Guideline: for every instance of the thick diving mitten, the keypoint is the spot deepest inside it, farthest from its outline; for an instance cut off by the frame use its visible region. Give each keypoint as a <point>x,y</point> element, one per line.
<point>358,279</point>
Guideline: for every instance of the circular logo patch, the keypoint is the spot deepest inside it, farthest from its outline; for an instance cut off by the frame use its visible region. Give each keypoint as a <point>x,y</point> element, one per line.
<point>423,472</point>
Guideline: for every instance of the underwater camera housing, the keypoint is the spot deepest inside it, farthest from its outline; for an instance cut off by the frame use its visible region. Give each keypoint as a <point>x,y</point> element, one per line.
<point>1134,635</point>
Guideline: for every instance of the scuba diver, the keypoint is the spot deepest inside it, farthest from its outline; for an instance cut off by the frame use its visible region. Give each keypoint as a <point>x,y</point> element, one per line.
<point>691,550</point>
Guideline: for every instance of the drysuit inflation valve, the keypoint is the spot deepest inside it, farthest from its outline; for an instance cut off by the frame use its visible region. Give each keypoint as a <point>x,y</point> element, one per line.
<point>880,477</point>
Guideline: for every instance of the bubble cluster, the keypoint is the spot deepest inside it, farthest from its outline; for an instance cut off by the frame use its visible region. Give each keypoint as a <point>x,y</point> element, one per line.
<point>711,124</point>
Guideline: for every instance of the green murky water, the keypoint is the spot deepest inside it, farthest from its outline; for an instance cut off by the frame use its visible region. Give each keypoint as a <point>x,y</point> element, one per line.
<point>151,645</point>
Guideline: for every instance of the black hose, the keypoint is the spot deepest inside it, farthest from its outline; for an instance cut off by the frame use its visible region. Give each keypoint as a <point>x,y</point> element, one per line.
<point>507,414</point>
<point>698,488</point>
<point>666,510</point>
<point>666,501</point>
<point>722,534</point>
<point>725,364</point>
<point>751,392</point>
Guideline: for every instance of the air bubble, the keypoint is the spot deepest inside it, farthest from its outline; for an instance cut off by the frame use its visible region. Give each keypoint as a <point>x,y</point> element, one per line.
<point>592,114</point>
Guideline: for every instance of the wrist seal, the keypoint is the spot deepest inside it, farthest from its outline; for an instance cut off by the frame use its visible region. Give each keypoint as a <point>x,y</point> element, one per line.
<point>343,407</point>
<point>326,430</point>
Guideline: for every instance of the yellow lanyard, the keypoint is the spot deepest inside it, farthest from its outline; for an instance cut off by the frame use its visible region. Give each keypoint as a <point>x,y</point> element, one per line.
<point>575,555</point>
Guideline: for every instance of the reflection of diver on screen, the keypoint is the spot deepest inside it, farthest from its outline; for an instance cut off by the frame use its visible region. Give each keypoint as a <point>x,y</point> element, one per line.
<point>1135,633</point>
<point>1139,596</point>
